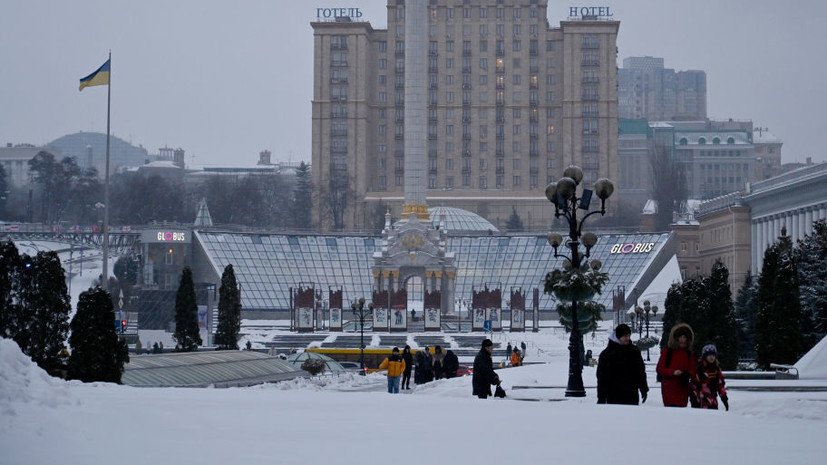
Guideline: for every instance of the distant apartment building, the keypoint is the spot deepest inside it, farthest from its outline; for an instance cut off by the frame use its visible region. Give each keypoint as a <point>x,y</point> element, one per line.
<point>511,102</point>
<point>648,90</point>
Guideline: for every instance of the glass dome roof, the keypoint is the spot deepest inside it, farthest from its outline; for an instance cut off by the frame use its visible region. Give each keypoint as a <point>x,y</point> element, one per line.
<point>457,219</point>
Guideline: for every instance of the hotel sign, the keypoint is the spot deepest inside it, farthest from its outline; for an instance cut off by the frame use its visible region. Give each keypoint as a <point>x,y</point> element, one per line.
<point>328,13</point>
<point>590,12</point>
<point>640,247</point>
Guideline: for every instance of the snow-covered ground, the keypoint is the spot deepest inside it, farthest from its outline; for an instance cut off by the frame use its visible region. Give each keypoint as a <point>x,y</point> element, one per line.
<point>351,420</point>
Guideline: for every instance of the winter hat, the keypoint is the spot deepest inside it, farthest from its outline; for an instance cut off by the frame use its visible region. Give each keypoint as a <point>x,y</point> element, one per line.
<point>622,330</point>
<point>709,349</point>
<point>395,349</point>
<point>487,343</point>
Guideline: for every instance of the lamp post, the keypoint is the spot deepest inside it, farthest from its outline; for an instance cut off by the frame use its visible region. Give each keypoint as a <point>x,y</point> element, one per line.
<point>563,195</point>
<point>360,312</point>
<point>644,313</point>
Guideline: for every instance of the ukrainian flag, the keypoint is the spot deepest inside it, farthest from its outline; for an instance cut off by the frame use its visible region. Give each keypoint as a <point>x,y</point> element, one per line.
<point>98,78</point>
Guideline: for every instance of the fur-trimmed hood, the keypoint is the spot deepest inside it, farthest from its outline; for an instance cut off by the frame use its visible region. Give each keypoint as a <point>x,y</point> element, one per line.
<point>677,330</point>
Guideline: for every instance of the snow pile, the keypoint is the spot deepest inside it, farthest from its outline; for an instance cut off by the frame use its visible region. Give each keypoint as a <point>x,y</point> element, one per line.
<point>813,365</point>
<point>22,381</point>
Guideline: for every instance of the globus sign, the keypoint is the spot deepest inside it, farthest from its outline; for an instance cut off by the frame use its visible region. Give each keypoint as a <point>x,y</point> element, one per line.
<point>640,247</point>
<point>168,236</point>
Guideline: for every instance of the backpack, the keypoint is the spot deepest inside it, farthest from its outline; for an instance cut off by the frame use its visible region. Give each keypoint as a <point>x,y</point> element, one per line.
<point>668,361</point>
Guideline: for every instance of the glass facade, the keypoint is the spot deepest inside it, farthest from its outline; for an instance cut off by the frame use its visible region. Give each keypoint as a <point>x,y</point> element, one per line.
<point>268,265</point>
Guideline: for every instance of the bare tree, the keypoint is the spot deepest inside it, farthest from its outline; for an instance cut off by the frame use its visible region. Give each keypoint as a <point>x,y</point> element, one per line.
<point>668,187</point>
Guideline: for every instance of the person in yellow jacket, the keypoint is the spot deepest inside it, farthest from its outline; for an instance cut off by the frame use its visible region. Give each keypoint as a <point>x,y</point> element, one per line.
<point>395,366</point>
<point>516,358</point>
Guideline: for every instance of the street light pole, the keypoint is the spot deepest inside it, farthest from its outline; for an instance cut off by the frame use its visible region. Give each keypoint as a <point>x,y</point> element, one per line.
<point>360,312</point>
<point>563,195</point>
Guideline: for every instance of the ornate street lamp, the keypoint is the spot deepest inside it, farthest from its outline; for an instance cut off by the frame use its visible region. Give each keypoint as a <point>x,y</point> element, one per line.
<point>563,195</point>
<point>644,313</point>
<point>360,312</point>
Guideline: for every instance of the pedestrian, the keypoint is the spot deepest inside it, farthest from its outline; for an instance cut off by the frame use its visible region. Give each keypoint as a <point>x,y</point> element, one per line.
<point>424,366</point>
<point>155,348</point>
<point>484,376</point>
<point>437,363</point>
<point>516,359</point>
<point>508,351</point>
<point>620,370</point>
<point>406,375</point>
<point>161,347</point>
<point>395,366</point>
<point>450,364</point>
<point>413,315</point>
<point>138,347</point>
<point>522,345</point>
<point>709,382</point>
<point>676,366</point>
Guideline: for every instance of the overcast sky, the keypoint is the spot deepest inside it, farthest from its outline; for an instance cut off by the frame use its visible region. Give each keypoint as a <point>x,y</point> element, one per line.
<point>225,80</point>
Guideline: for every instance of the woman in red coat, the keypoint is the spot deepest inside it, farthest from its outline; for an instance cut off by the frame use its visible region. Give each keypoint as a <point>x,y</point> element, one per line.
<point>677,366</point>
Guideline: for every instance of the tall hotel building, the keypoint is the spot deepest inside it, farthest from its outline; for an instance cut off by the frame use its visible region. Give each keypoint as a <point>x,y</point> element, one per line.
<point>511,102</point>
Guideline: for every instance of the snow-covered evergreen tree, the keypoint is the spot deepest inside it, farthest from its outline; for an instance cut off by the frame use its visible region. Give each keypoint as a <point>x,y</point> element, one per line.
<point>11,316</point>
<point>811,257</point>
<point>97,352</point>
<point>186,333</point>
<point>746,309</point>
<point>778,323</point>
<point>721,328</point>
<point>46,306</point>
<point>229,311</point>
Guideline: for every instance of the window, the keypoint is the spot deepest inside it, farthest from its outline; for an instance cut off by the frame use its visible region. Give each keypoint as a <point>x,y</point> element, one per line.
<point>169,259</point>
<point>483,46</point>
<point>517,181</point>
<point>383,46</point>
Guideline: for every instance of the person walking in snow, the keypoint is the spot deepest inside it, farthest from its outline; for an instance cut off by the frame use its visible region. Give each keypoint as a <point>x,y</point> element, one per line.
<point>484,376</point>
<point>438,358</point>
<point>395,366</point>
<point>676,366</point>
<point>450,364</point>
<point>424,366</point>
<point>406,375</point>
<point>508,351</point>
<point>620,370</point>
<point>709,382</point>
<point>516,358</point>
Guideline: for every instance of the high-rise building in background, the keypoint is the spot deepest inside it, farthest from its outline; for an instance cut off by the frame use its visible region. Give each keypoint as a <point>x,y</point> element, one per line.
<point>511,102</point>
<point>645,89</point>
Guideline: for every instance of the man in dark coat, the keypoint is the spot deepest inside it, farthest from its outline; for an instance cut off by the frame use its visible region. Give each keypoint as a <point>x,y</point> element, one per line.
<point>450,364</point>
<point>620,370</point>
<point>406,375</point>
<point>424,367</point>
<point>484,376</point>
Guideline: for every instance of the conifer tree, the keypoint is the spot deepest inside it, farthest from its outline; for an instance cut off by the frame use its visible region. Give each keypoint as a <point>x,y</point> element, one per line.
<point>672,312</point>
<point>721,328</point>
<point>746,308</point>
<point>302,202</point>
<point>97,352</point>
<point>811,256</point>
<point>186,333</point>
<point>46,307</point>
<point>778,324</point>
<point>229,311</point>
<point>515,223</point>
<point>11,315</point>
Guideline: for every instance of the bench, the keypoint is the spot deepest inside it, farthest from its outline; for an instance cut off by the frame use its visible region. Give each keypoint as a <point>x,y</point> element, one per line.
<point>784,371</point>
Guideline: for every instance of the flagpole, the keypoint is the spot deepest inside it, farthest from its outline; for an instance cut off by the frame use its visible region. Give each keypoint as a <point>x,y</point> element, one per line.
<point>105,275</point>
